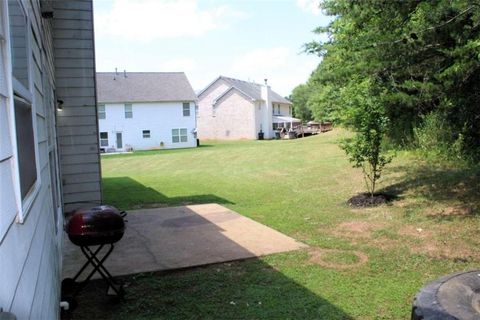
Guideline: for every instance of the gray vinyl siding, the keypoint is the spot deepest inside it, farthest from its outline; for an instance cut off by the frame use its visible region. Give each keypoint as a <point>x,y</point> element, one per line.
<point>30,252</point>
<point>73,43</point>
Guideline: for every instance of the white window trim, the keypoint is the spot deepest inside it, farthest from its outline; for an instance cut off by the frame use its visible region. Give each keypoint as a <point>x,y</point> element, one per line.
<point>104,111</point>
<point>100,139</point>
<point>23,206</point>
<point>125,110</point>
<point>179,135</point>
<point>189,109</point>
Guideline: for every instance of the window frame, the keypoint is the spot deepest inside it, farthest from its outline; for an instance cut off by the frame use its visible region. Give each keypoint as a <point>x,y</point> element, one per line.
<point>186,107</point>
<point>146,134</point>
<point>103,139</point>
<point>104,112</point>
<point>180,135</point>
<point>15,87</point>
<point>130,113</point>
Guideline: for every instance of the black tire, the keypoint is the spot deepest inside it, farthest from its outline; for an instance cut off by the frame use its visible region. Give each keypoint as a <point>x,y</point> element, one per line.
<point>427,305</point>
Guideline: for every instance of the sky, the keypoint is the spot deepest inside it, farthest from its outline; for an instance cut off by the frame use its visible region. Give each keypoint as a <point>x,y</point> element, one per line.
<point>251,40</point>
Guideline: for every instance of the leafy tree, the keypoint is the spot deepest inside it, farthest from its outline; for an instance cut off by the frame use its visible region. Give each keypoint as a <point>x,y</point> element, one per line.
<point>370,125</point>
<point>299,99</point>
<point>423,57</point>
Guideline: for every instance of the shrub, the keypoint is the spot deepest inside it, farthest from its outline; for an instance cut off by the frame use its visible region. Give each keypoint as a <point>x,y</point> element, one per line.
<point>436,140</point>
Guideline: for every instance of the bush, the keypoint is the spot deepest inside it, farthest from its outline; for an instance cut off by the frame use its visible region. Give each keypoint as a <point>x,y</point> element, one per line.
<point>436,140</point>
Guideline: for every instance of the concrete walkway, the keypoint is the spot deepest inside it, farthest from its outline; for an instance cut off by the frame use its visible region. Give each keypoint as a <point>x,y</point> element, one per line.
<point>179,237</point>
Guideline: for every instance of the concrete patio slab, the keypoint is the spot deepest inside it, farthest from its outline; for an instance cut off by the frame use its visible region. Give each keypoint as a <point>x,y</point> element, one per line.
<point>187,236</point>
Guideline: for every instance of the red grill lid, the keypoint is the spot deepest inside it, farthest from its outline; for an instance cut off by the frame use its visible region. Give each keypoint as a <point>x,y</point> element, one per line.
<point>95,226</point>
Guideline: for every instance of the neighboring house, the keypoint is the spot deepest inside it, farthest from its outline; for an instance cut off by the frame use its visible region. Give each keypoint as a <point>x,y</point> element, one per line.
<point>49,160</point>
<point>145,110</point>
<point>235,109</point>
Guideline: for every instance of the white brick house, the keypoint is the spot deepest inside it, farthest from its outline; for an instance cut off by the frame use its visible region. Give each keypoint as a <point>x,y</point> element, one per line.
<point>145,110</point>
<point>232,109</point>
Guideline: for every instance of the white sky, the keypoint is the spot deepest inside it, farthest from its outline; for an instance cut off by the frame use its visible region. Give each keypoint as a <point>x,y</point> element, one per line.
<point>244,39</point>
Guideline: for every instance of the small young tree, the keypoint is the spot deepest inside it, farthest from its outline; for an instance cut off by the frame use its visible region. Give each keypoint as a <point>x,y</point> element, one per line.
<point>365,149</point>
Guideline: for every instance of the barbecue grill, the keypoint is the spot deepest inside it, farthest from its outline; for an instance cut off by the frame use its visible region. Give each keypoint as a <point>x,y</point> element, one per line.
<point>98,227</point>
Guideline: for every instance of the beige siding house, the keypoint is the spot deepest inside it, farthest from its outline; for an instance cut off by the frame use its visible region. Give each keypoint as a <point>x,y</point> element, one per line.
<point>232,109</point>
<point>49,161</point>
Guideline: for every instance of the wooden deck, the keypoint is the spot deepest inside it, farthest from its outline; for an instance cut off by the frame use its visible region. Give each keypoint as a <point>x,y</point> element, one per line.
<point>304,131</point>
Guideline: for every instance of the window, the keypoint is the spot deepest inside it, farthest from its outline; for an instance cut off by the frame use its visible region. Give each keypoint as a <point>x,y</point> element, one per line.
<point>101,112</point>
<point>278,109</point>
<point>290,110</point>
<point>103,139</point>
<point>146,134</point>
<point>18,42</point>
<point>22,105</point>
<point>186,109</point>
<point>128,111</point>
<point>25,145</point>
<point>179,135</point>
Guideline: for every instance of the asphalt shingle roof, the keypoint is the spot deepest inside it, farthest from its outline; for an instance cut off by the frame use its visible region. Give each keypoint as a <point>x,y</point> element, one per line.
<point>143,87</point>
<point>253,90</point>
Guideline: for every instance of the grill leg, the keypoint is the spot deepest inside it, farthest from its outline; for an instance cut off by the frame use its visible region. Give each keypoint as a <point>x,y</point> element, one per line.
<point>98,266</point>
<point>87,263</point>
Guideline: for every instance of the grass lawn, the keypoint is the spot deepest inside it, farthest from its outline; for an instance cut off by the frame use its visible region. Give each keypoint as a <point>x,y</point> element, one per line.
<point>363,263</point>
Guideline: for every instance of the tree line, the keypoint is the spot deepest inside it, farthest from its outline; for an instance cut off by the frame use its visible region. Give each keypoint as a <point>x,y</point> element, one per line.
<point>415,62</point>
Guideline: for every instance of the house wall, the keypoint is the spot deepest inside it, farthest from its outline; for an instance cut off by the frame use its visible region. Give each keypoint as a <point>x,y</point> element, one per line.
<point>73,43</point>
<point>234,118</point>
<point>159,117</point>
<point>260,111</point>
<point>30,228</point>
<point>284,109</point>
<point>205,119</point>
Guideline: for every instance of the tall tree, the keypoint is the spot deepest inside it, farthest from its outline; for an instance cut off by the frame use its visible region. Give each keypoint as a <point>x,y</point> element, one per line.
<point>299,99</point>
<point>422,55</point>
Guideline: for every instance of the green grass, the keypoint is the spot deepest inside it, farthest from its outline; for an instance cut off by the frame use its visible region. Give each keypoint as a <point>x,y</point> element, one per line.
<point>300,188</point>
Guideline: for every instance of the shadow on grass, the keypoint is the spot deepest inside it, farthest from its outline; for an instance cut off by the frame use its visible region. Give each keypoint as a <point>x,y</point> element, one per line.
<point>249,289</point>
<point>441,184</point>
<point>127,193</point>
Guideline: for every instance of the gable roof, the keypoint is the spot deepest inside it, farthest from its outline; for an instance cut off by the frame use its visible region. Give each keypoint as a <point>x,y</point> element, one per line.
<point>253,90</point>
<point>143,87</point>
<point>217,99</point>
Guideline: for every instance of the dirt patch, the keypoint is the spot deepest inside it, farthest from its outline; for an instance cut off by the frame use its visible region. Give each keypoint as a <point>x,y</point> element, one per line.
<point>366,200</point>
<point>430,243</point>
<point>450,211</point>
<point>321,257</point>
<point>457,250</point>
<point>356,229</point>
<point>416,232</point>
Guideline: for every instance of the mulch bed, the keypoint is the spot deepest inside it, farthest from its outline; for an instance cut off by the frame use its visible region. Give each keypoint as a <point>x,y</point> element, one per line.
<point>366,200</point>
